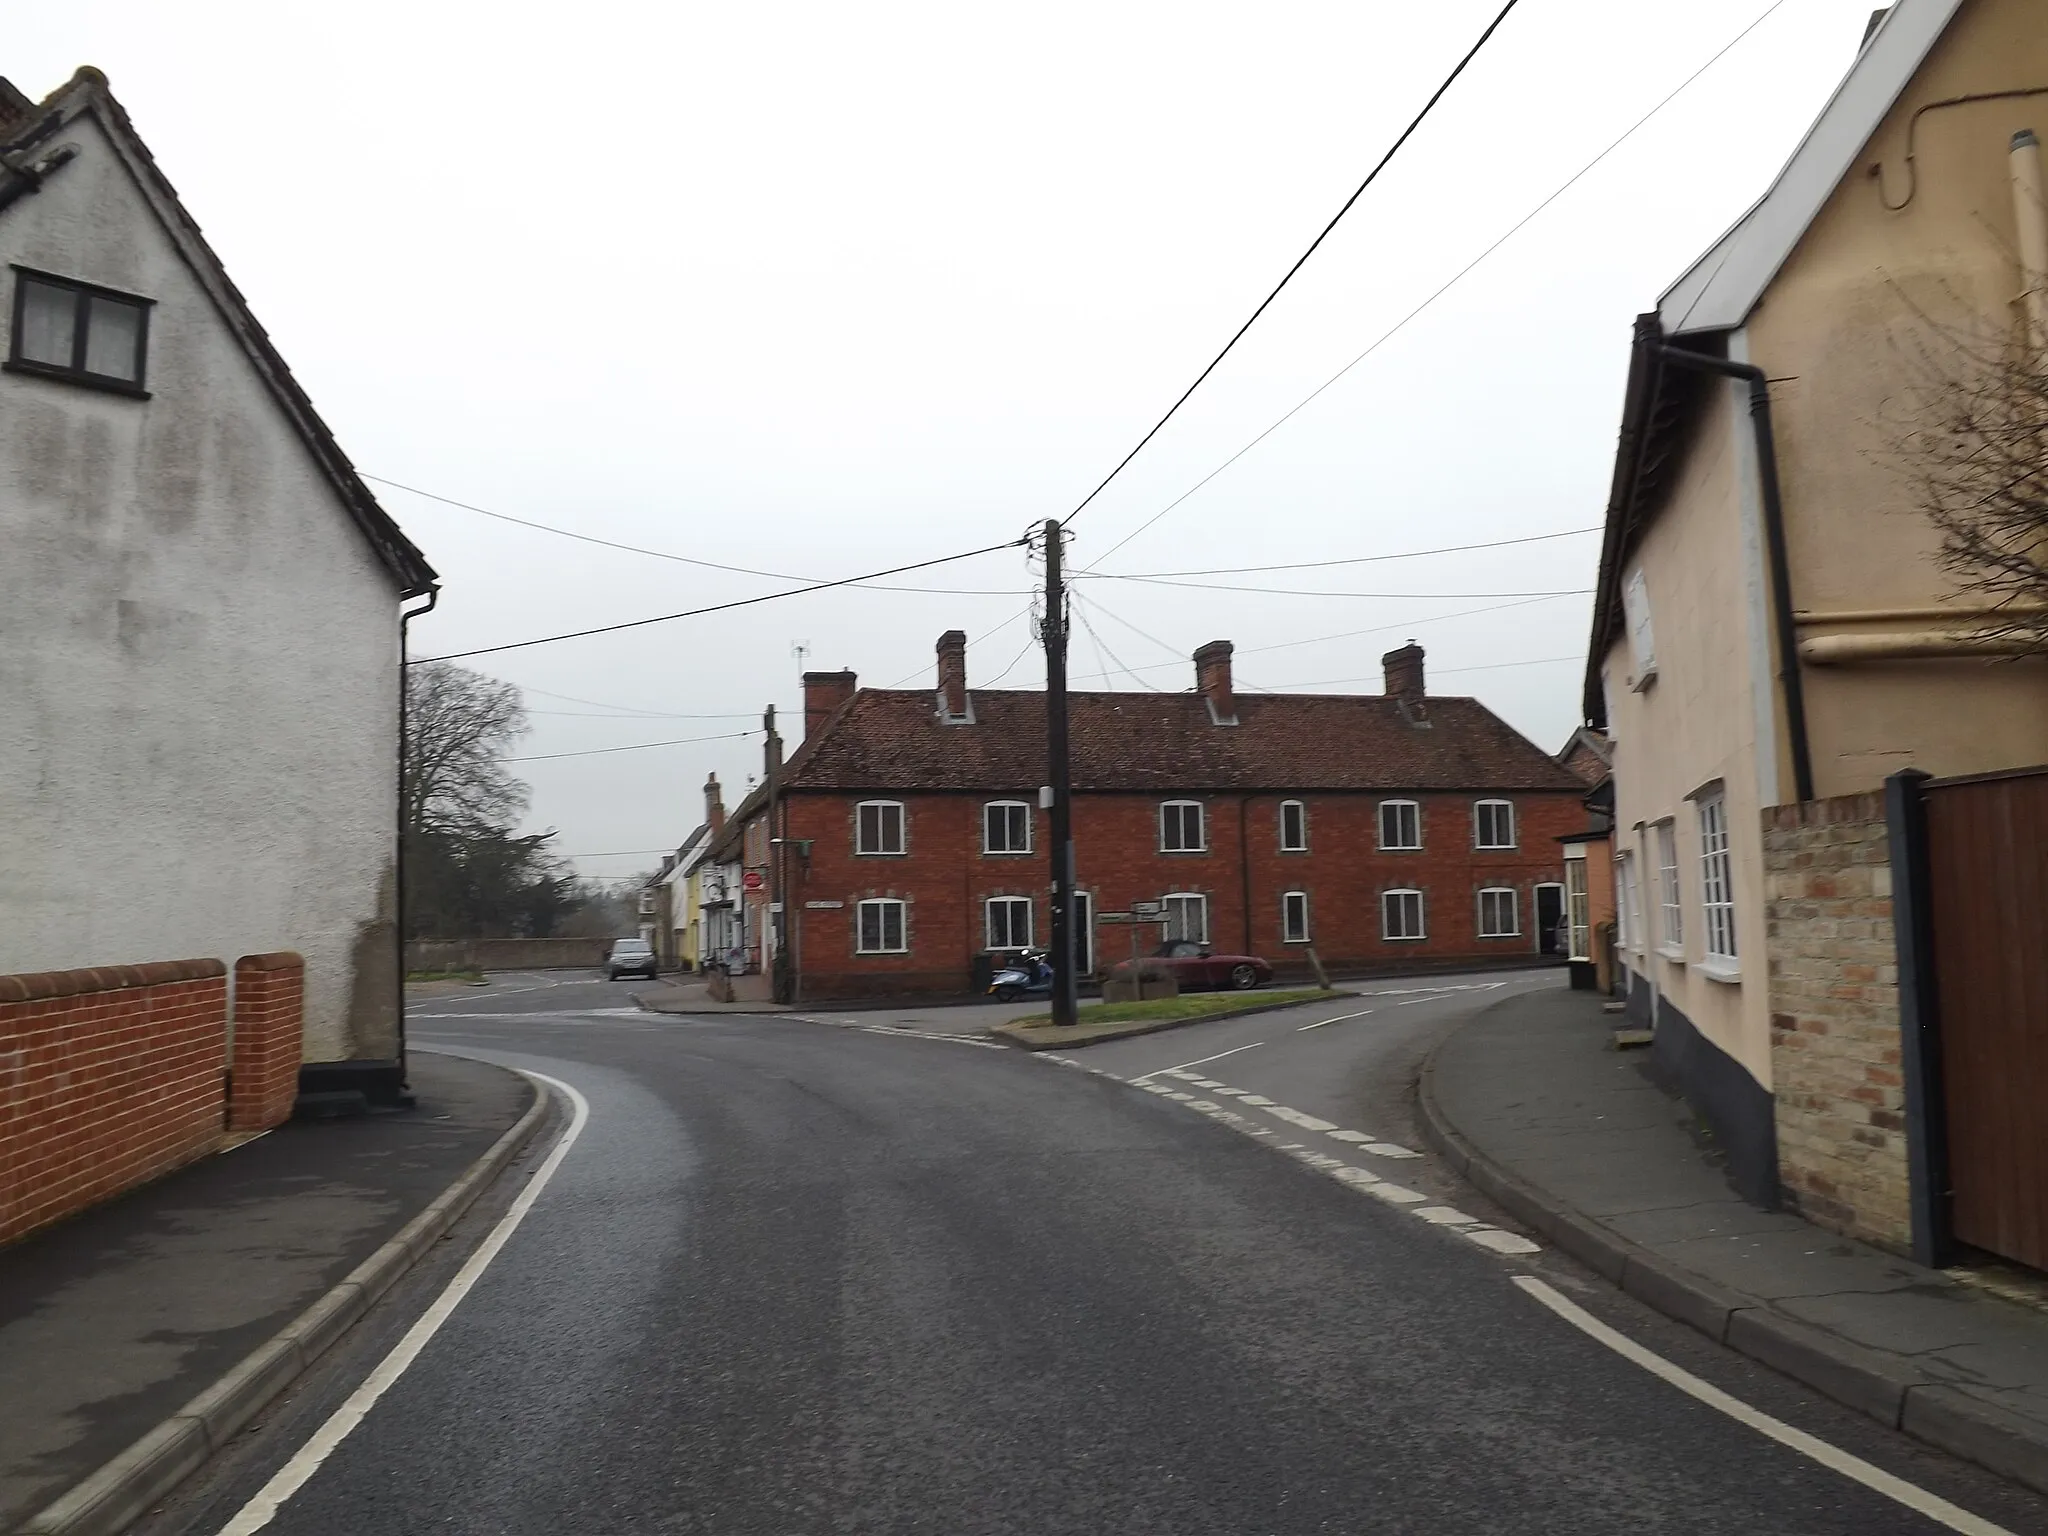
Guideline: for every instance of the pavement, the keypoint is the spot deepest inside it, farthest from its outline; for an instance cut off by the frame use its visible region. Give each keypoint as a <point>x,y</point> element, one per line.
<point>794,1275</point>
<point>115,1320</point>
<point>1533,1104</point>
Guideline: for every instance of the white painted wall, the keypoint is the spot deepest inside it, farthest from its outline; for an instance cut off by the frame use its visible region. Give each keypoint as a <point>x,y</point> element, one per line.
<point>198,679</point>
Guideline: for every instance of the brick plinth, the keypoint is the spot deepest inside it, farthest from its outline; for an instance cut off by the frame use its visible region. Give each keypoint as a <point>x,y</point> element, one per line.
<point>270,997</point>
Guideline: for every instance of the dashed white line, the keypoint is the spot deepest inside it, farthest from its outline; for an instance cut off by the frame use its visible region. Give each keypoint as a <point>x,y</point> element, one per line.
<point>1198,1061</point>
<point>1319,1023</point>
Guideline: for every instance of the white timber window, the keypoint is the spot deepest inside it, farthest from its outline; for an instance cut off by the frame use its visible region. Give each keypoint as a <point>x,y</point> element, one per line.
<point>1009,922</point>
<point>1006,827</point>
<point>1577,912</point>
<point>1500,915</point>
<point>879,928</point>
<point>1294,917</point>
<point>1401,915</point>
<point>1180,827</point>
<point>1642,638</point>
<point>1293,827</point>
<point>1717,886</point>
<point>1670,901</point>
<point>1187,917</point>
<point>878,827</point>
<point>1629,900</point>
<point>1400,824</point>
<point>1493,824</point>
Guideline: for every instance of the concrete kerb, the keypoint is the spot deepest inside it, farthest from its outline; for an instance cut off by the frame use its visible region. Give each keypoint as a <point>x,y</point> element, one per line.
<point>1008,1032</point>
<point>1863,1379</point>
<point>120,1492</point>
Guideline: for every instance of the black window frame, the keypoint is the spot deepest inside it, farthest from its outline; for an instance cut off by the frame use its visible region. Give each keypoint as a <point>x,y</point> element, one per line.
<point>83,294</point>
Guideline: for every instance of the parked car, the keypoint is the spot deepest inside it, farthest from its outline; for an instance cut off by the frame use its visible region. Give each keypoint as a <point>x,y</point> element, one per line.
<point>1195,967</point>
<point>630,957</point>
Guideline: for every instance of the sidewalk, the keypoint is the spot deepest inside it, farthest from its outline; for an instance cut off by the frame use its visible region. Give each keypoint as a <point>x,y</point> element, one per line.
<point>1535,1107</point>
<point>112,1322</point>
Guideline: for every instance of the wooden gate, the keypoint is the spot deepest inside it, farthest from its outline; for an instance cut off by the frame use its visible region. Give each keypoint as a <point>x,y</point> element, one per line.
<point>1987,884</point>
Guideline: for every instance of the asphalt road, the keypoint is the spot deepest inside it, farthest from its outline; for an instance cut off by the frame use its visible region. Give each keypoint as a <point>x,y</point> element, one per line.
<point>807,1277</point>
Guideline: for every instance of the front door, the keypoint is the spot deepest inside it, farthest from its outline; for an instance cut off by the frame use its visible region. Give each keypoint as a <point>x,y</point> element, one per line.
<point>1550,919</point>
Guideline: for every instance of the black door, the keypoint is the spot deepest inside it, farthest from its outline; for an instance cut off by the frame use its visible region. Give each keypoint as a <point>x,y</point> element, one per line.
<point>1550,919</point>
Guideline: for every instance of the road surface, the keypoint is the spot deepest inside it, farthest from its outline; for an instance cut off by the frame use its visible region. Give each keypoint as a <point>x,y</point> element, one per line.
<point>798,1277</point>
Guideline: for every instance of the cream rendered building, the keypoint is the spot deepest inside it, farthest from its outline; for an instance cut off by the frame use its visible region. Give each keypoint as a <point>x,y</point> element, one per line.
<point>1772,623</point>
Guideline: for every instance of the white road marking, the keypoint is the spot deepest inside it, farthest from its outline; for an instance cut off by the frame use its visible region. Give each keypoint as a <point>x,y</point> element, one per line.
<point>1351,1136</point>
<point>1233,1092</point>
<point>1389,1149</point>
<point>1203,1082</point>
<point>1439,998</point>
<point>1914,1497</point>
<point>1467,986</point>
<point>293,1475</point>
<point>1319,1023</point>
<point>1199,1061</point>
<point>1446,1216</point>
<point>1257,1099</point>
<point>1394,1194</point>
<point>1296,1117</point>
<point>1502,1242</point>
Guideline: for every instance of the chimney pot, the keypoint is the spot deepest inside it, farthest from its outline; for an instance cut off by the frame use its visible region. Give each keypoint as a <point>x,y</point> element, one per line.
<point>1212,679</point>
<point>824,692</point>
<point>952,649</point>
<point>1404,674</point>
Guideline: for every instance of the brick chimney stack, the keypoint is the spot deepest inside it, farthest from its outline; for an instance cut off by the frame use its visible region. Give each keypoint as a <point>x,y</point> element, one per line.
<point>1404,675</point>
<point>771,746</point>
<point>1212,679</point>
<point>714,805</point>
<point>824,692</point>
<point>953,677</point>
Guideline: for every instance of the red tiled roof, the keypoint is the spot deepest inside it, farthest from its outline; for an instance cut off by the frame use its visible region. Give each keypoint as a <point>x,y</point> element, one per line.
<point>885,740</point>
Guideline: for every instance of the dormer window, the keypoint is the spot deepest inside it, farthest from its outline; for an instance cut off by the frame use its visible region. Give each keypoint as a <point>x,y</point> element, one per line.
<point>70,330</point>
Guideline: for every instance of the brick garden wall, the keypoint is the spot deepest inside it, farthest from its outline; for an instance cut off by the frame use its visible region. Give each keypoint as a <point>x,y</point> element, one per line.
<point>1835,1018</point>
<point>115,1076</point>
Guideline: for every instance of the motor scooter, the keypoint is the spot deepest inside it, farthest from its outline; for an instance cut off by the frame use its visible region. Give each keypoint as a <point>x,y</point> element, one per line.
<point>1029,976</point>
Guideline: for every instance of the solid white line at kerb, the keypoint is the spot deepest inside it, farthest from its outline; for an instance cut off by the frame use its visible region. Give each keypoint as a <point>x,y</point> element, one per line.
<point>1911,1495</point>
<point>293,1475</point>
<point>1186,1064</point>
<point>1319,1023</point>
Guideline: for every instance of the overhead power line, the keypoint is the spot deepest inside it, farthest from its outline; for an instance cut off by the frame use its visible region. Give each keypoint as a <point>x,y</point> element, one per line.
<point>1441,597</point>
<point>638,746</point>
<point>1371,176</point>
<point>691,613</point>
<point>1310,565</point>
<point>1457,277</point>
<point>1435,672</point>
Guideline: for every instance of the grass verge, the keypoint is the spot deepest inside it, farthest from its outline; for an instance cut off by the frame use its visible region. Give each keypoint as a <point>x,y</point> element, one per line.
<point>1111,1021</point>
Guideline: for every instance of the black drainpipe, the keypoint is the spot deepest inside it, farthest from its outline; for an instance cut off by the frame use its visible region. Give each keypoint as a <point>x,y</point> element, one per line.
<point>1774,537</point>
<point>405,618</point>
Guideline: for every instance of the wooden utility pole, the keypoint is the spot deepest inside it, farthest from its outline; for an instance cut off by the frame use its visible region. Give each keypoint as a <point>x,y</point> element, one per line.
<point>1065,984</point>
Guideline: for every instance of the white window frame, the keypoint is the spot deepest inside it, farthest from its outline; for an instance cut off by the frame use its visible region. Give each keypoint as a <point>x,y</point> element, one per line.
<point>1717,889</point>
<point>1009,904</point>
<point>1175,906</point>
<point>1180,808</point>
<point>1300,809</point>
<point>860,829</point>
<point>1292,902</point>
<point>1514,928</point>
<point>1414,808</point>
<point>1421,915</point>
<point>1578,920</point>
<point>860,910</point>
<point>1479,807</point>
<point>1670,890</point>
<point>1628,900</point>
<point>1007,807</point>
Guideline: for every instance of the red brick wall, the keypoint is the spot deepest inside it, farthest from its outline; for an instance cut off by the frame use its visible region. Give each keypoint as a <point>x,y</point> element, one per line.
<point>945,879</point>
<point>108,1078</point>
<point>270,1005</point>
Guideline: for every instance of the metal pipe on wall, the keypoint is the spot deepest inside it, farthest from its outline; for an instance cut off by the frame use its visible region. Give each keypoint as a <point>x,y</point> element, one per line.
<point>2030,216</point>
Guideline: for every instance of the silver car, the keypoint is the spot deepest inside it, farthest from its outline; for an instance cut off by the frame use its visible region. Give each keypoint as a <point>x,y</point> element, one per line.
<point>630,957</point>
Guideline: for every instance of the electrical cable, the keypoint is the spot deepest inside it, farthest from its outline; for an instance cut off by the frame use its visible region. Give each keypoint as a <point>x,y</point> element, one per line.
<point>1309,565</point>
<point>638,746</point>
<point>691,613</point>
<point>1081,608</point>
<point>1440,597</point>
<point>1030,645</point>
<point>1371,176</point>
<point>1436,672</point>
<point>985,634</point>
<point>1456,278</point>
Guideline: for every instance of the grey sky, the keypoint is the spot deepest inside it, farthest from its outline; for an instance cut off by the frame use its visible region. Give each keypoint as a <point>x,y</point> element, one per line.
<point>818,288</point>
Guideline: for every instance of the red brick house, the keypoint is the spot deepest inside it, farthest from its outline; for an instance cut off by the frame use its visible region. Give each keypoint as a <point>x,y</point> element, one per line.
<point>903,838</point>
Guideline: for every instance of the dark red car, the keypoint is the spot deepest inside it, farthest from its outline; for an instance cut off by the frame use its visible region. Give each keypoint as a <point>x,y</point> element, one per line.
<point>1195,968</point>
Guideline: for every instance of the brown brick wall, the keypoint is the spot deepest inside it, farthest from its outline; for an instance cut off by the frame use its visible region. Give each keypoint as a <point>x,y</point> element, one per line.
<point>270,1006</point>
<point>108,1078</point>
<point>1835,1018</point>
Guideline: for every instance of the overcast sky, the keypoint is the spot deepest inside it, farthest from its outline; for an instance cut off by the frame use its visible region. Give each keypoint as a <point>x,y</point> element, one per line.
<point>823,288</point>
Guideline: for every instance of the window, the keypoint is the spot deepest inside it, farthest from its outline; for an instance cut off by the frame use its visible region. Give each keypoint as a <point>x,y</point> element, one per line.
<point>1717,888</point>
<point>1577,916</point>
<point>1400,824</point>
<point>1293,827</point>
<point>1493,824</point>
<point>878,928</point>
<point>1294,917</point>
<point>1635,601</point>
<point>878,827</point>
<point>1084,933</point>
<point>1006,827</point>
<point>1500,914</point>
<point>75,331</point>
<point>1401,915</point>
<point>1187,917</point>
<point>1009,922</point>
<point>1670,908</point>
<point>1180,827</point>
<point>1628,900</point>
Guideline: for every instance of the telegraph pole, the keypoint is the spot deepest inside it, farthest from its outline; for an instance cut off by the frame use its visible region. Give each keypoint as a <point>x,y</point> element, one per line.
<point>1065,994</point>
